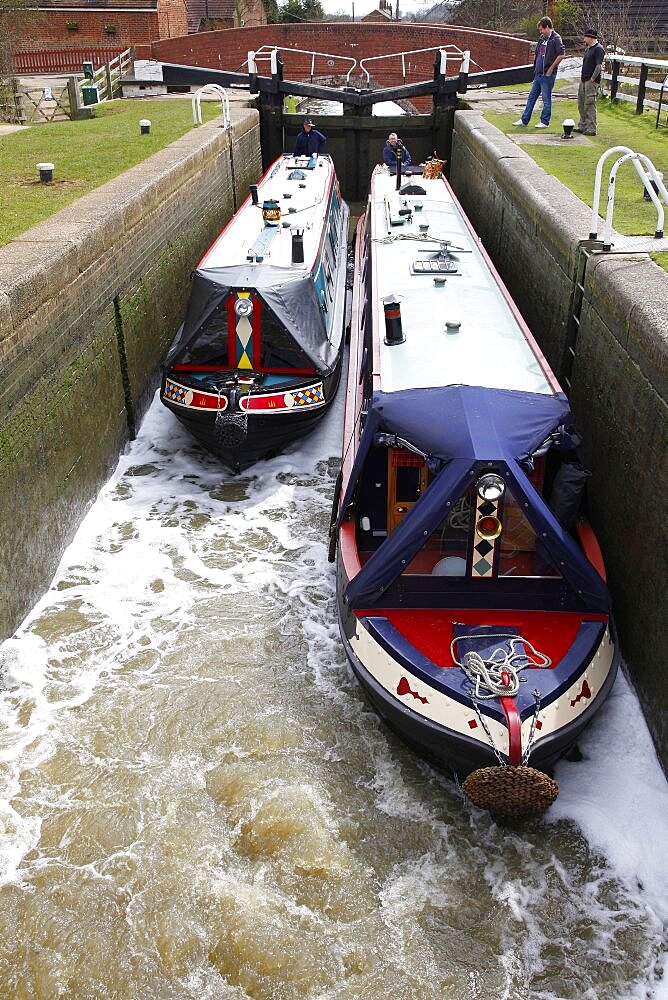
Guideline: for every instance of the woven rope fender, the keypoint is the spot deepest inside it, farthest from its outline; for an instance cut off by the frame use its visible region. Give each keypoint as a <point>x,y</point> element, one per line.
<point>511,791</point>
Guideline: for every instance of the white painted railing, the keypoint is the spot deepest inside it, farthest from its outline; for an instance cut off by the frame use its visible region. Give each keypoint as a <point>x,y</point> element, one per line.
<point>269,53</point>
<point>649,177</point>
<point>211,88</point>
<point>640,83</point>
<point>448,52</point>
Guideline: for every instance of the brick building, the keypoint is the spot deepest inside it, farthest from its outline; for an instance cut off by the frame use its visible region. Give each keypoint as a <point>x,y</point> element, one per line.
<point>117,24</point>
<point>382,13</point>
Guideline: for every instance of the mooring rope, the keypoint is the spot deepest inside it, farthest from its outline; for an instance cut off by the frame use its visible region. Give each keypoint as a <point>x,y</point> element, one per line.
<point>497,675</point>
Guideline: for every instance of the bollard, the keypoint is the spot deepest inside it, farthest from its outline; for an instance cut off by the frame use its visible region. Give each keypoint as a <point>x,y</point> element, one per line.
<point>45,172</point>
<point>654,185</point>
<point>144,126</point>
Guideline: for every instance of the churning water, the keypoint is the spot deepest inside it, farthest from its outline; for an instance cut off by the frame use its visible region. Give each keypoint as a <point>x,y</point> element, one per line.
<point>197,803</point>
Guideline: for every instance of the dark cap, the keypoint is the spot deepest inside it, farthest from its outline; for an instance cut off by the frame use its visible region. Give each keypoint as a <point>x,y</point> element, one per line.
<point>308,121</point>
<point>590,33</point>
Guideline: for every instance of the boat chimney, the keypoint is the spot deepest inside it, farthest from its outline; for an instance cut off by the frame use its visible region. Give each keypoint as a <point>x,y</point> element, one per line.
<point>400,154</point>
<point>253,194</point>
<point>393,332</point>
<point>297,245</point>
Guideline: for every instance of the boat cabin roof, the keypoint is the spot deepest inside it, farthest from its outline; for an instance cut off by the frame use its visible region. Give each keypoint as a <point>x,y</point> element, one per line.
<point>460,325</point>
<point>300,187</point>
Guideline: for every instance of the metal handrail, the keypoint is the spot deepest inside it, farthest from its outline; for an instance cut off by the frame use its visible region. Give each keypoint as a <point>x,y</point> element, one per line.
<point>452,50</point>
<point>647,176</point>
<point>269,52</point>
<point>211,88</point>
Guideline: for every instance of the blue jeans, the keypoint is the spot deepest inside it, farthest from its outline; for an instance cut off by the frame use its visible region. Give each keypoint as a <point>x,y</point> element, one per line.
<point>542,86</point>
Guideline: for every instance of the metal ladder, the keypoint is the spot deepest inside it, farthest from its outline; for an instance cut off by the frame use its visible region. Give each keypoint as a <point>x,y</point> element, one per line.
<point>652,183</point>
<point>586,250</point>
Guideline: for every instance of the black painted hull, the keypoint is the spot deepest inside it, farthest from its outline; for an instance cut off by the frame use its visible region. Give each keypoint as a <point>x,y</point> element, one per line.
<point>264,435</point>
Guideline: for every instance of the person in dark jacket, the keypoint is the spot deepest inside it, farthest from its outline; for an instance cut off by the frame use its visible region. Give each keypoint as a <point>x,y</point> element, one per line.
<point>549,53</point>
<point>590,78</point>
<point>309,140</point>
<point>391,149</point>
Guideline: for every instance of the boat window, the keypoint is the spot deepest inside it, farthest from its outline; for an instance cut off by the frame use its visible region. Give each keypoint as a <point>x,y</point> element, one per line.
<point>209,346</point>
<point>278,351</point>
<point>482,541</point>
<point>521,553</point>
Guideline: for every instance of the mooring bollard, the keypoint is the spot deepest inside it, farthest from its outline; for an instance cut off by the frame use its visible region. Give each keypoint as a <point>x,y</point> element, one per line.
<point>45,172</point>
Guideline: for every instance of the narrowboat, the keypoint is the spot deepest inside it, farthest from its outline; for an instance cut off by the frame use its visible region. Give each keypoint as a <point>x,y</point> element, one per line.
<point>472,600</point>
<point>257,360</point>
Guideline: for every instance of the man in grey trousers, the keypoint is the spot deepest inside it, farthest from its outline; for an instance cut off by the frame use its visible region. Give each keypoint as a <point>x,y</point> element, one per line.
<point>590,78</point>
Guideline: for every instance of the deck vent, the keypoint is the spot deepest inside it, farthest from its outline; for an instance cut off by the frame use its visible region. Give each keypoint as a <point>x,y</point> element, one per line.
<point>393,333</point>
<point>253,194</point>
<point>297,245</point>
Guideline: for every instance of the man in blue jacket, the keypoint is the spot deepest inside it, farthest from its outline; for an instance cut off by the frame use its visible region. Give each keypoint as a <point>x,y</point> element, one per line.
<point>392,149</point>
<point>549,53</point>
<point>309,140</point>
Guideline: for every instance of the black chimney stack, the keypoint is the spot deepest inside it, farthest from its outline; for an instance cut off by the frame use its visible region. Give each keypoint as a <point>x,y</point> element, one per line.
<point>393,332</point>
<point>297,246</point>
<point>400,151</point>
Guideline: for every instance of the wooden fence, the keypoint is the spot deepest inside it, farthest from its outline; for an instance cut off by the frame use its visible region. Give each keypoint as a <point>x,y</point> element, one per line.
<point>623,84</point>
<point>62,60</point>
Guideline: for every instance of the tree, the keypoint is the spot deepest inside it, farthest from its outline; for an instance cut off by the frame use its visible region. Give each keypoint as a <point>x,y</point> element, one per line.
<point>271,10</point>
<point>301,10</point>
<point>498,15</point>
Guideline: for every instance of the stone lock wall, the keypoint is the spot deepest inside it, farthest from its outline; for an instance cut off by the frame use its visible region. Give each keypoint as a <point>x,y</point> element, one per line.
<point>89,302</point>
<point>531,226</point>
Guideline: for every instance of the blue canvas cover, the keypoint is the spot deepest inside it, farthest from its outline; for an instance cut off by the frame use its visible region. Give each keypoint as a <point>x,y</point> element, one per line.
<point>460,429</point>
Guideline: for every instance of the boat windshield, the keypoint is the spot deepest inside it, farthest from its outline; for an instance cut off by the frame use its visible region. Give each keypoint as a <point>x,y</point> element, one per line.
<point>476,539</point>
<point>253,339</point>
<point>483,541</point>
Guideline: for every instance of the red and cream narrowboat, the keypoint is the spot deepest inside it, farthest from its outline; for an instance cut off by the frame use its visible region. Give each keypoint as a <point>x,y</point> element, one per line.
<point>471,591</point>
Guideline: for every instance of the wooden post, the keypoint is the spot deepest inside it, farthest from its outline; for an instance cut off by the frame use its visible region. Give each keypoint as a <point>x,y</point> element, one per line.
<point>642,82</point>
<point>271,117</point>
<point>614,83</point>
<point>77,112</point>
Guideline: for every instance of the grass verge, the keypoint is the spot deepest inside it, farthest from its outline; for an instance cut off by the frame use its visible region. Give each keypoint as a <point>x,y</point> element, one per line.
<point>575,166</point>
<point>86,154</point>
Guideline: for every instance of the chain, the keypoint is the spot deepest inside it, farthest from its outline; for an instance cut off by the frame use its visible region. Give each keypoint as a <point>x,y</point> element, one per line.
<point>527,752</point>
<point>497,753</point>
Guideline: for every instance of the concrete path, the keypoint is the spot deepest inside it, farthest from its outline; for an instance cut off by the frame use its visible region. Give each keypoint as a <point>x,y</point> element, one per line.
<point>7,129</point>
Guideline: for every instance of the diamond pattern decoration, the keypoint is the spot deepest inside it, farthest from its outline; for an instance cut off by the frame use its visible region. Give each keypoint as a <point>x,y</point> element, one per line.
<point>484,547</point>
<point>307,397</point>
<point>244,342</point>
<point>482,568</point>
<point>175,391</point>
<point>484,550</point>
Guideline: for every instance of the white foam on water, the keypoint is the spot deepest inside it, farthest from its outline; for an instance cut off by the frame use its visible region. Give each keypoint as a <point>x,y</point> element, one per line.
<point>158,549</point>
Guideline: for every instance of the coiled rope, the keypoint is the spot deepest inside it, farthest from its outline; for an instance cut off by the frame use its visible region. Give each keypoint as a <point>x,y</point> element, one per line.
<point>497,675</point>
